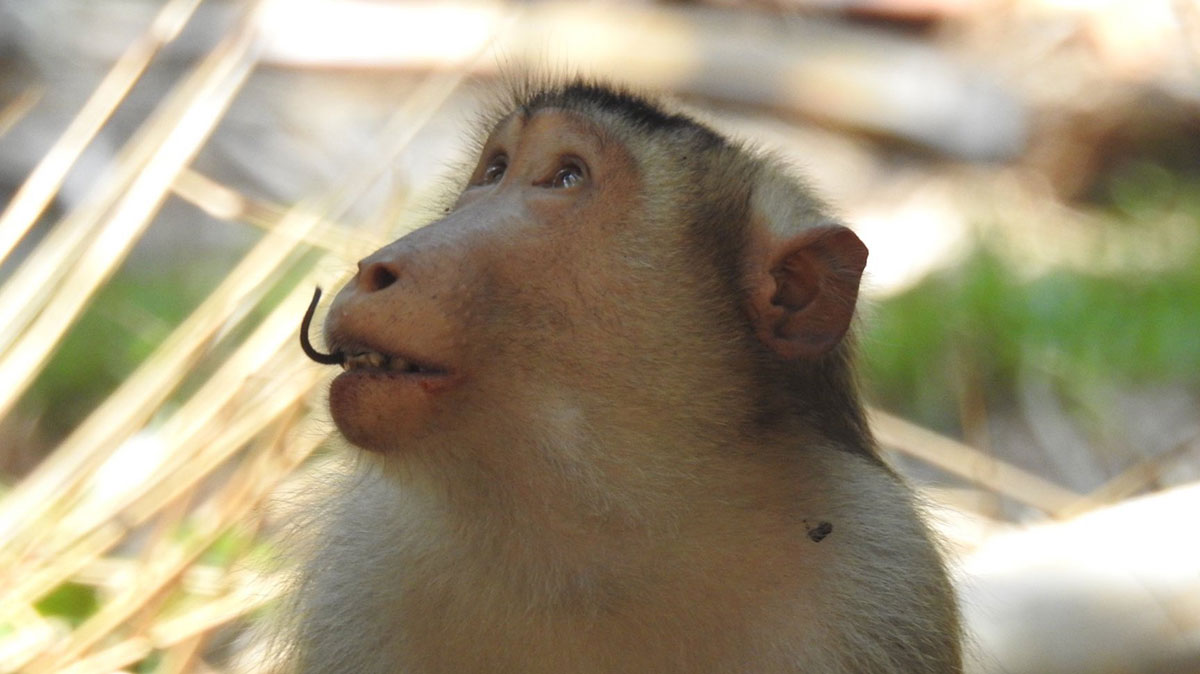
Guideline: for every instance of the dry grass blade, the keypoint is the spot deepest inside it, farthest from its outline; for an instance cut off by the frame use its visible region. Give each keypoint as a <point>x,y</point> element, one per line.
<point>225,203</point>
<point>26,293</point>
<point>267,464</point>
<point>40,187</point>
<point>17,108</point>
<point>196,440</point>
<point>34,631</point>
<point>177,658</point>
<point>133,403</point>
<point>203,99</point>
<point>192,626</point>
<point>113,659</point>
<point>193,452</point>
<point>971,464</point>
<point>54,486</point>
<point>88,528</point>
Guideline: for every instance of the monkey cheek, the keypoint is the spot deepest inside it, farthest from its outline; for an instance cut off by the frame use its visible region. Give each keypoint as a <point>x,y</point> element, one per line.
<point>378,412</point>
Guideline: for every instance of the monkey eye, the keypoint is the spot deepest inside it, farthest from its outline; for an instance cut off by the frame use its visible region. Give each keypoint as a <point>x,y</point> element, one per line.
<point>567,176</point>
<point>495,170</point>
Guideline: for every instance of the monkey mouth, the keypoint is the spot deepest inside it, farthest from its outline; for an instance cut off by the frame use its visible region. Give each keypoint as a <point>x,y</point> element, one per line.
<point>378,385</point>
<point>384,362</point>
<point>360,358</point>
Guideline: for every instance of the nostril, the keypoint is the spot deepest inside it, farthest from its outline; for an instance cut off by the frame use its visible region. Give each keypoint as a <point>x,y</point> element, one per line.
<point>375,277</point>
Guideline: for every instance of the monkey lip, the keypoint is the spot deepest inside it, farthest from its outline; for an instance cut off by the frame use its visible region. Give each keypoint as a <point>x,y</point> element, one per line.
<point>382,396</point>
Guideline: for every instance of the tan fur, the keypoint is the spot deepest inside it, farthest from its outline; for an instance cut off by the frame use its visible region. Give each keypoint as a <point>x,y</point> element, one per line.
<point>629,470</point>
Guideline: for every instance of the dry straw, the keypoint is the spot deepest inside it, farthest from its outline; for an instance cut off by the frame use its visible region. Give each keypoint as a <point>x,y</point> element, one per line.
<point>246,421</point>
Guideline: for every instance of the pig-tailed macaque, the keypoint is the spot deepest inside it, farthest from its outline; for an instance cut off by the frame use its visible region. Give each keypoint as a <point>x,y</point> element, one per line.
<point>609,424</point>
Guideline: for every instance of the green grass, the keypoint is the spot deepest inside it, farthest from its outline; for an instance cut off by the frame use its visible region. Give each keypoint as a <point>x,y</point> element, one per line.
<point>980,322</point>
<point>72,602</point>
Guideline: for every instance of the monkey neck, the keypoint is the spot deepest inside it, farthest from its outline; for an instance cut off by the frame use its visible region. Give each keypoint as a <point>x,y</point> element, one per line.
<point>439,565</point>
<point>589,536</point>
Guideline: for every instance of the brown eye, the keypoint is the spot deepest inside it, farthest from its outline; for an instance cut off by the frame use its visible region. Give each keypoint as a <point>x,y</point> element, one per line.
<point>567,176</point>
<point>495,170</point>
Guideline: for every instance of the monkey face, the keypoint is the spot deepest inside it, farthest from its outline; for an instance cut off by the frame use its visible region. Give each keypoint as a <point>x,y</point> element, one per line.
<point>602,268</point>
<point>524,291</point>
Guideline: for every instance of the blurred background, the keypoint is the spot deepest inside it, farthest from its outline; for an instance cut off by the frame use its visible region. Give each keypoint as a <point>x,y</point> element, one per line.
<point>176,176</point>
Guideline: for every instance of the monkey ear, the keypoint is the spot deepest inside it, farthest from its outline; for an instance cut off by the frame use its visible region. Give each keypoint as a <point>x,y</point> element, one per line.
<point>804,290</point>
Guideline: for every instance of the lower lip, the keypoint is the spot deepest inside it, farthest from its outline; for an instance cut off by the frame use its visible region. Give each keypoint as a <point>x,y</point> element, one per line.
<point>380,410</point>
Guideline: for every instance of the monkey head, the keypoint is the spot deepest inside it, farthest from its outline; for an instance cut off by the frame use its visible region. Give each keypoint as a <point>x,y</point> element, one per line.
<point>608,265</point>
<point>612,424</point>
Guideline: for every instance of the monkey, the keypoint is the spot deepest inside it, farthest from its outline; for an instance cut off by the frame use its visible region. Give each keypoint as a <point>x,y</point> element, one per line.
<point>606,419</point>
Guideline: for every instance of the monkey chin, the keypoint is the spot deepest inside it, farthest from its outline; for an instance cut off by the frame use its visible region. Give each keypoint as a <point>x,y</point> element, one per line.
<point>376,409</point>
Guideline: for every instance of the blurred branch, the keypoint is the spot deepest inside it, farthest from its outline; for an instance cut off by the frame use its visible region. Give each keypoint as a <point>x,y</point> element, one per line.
<point>1133,479</point>
<point>971,464</point>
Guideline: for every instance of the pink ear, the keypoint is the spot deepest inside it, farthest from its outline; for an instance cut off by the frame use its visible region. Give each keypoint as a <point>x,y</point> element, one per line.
<point>804,292</point>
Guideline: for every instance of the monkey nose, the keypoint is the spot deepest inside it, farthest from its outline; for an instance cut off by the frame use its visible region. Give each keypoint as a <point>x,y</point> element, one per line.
<point>375,275</point>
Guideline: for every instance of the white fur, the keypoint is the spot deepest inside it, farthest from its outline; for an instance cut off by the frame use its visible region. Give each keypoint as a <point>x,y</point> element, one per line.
<point>403,584</point>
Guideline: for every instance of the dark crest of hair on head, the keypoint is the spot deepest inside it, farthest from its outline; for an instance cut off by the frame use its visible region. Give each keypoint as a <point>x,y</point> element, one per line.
<point>590,95</point>
<point>530,93</point>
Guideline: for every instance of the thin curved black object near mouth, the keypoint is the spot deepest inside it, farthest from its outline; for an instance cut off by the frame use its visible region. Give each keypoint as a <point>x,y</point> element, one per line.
<point>335,358</point>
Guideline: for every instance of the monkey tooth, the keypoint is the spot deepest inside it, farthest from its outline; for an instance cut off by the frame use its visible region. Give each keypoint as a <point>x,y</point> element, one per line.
<point>368,359</point>
<point>378,361</point>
